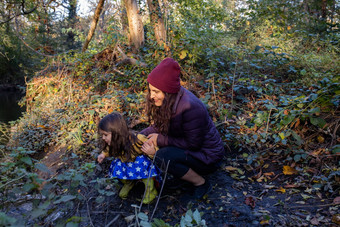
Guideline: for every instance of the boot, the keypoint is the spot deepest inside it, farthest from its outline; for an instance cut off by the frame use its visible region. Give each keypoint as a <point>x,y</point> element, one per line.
<point>151,191</point>
<point>128,185</point>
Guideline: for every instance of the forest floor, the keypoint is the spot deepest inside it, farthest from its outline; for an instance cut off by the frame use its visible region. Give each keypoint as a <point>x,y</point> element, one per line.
<point>239,197</point>
<point>232,202</point>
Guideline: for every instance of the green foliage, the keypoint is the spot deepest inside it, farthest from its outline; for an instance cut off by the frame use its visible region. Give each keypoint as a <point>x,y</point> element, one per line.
<point>268,75</point>
<point>192,219</point>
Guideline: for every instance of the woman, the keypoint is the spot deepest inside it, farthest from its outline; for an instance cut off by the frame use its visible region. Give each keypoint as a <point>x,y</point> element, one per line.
<point>181,128</point>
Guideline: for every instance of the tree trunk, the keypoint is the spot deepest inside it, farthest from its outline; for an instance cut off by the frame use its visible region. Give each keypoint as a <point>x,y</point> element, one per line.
<point>72,20</point>
<point>135,25</point>
<point>157,21</point>
<point>124,21</point>
<point>93,24</point>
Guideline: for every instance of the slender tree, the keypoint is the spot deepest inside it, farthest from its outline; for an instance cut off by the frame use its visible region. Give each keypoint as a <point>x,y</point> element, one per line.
<point>93,24</point>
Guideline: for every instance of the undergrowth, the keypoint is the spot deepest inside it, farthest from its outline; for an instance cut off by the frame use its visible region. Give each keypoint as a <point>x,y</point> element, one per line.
<point>270,111</point>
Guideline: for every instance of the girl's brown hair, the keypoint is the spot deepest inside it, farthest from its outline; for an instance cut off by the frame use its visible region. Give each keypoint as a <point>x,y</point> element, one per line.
<point>122,139</point>
<point>160,116</point>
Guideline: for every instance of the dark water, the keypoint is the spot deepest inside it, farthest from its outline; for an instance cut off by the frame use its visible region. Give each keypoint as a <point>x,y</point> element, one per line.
<point>9,108</point>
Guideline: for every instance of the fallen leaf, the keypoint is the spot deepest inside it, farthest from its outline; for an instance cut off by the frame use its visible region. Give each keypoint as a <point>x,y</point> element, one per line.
<point>230,168</point>
<point>292,186</point>
<point>336,219</point>
<point>264,222</point>
<point>282,190</point>
<point>336,200</point>
<point>250,201</point>
<point>314,221</point>
<point>287,170</point>
<point>305,197</point>
<point>321,139</point>
<point>269,174</point>
<point>267,186</point>
<point>129,218</point>
<point>260,179</point>
<point>300,202</point>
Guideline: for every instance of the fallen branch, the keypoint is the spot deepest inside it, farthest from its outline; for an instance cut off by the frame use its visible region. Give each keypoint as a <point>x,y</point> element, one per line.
<point>113,220</point>
<point>127,60</point>
<point>13,181</point>
<point>320,205</point>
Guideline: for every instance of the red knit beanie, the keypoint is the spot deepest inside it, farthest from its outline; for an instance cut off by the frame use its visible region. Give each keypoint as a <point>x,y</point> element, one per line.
<point>165,76</point>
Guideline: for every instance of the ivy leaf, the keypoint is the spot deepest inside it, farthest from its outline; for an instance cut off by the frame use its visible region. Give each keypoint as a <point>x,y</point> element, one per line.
<point>287,119</point>
<point>298,138</point>
<point>143,216</point>
<point>197,217</point>
<point>26,160</point>
<point>65,198</point>
<point>317,122</point>
<point>37,213</point>
<point>42,167</point>
<point>145,224</point>
<point>315,110</point>
<point>28,187</point>
<point>336,149</point>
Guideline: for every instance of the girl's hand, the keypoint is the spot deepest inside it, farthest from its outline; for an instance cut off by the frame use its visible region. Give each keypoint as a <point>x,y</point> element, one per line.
<point>148,149</point>
<point>101,157</point>
<point>152,139</point>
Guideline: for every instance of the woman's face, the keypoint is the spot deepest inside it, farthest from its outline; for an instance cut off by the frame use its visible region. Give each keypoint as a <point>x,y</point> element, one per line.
<point>156,95</point>
<point>106,136</point>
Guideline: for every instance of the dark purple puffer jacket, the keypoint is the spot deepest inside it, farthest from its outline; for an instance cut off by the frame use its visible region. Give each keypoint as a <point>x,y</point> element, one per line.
<point>191,129</point>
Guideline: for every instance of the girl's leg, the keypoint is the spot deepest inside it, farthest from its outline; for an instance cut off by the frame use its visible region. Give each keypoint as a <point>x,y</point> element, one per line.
<point>150,190</point>
<point>127,186</point>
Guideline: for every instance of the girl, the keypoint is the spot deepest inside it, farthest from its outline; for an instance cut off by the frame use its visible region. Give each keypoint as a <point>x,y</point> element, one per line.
<point>182,128</point>
<point>129,164</point>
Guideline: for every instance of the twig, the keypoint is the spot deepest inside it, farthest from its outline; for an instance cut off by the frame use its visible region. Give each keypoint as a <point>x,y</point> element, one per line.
<point>213,87</point>
<point>88,209</point>
<point>113,220</point>
<point>334,132</point>
<point>160,192</point>
<point>232,89</point>
<point>13,181</point>
<point>270,111</point>
<point>320,205</point>
<point>222,123</point>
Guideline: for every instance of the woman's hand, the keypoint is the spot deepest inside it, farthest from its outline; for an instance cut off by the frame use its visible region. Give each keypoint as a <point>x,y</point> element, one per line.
<point>101,157</point>
<point>152,139</point>
<point>148,149</point>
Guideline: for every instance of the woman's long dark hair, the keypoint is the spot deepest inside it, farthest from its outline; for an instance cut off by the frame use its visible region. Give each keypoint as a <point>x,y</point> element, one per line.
<point>122,139</point>
<point>160,116</point>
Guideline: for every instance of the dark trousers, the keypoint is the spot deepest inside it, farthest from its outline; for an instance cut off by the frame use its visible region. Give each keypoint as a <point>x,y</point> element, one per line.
<point>180,162</point>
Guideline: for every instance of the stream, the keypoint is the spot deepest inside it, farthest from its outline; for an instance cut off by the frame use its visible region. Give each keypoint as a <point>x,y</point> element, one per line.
<point>9,108</point>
